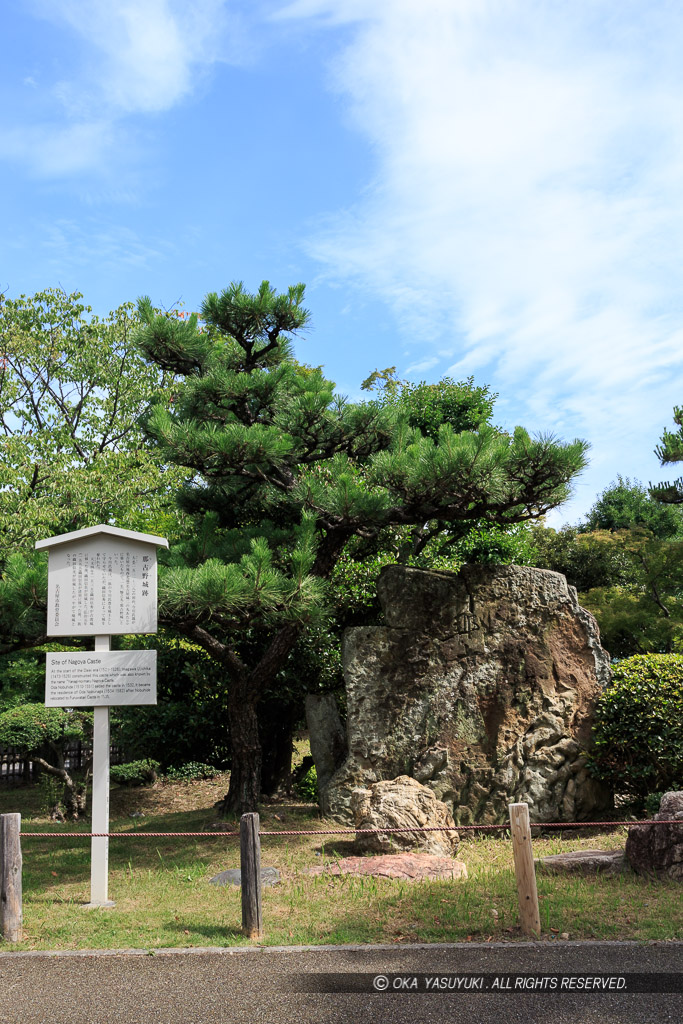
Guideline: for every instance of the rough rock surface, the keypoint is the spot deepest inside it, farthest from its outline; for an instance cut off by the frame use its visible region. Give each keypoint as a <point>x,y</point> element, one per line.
<point>233,876</point>
<point>658,849</point>
<point>327,738</point>
<point>413,867</point>
<point>402,803</point>
<point>584,862</point>
<point>481,686</point>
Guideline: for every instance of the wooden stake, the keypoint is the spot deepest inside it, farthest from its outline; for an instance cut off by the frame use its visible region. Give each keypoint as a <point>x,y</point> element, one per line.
<point>10,878</point>
<point>250,866</point>
<point>529,915</point>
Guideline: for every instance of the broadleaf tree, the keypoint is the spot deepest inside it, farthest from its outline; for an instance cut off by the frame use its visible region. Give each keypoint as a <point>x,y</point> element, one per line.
<point>626,560</point>
<point>285,473</point>
<point>72,454</point>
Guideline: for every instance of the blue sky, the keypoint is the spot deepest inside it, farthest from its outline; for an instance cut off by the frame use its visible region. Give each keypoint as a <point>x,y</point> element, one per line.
<point>486,187</point>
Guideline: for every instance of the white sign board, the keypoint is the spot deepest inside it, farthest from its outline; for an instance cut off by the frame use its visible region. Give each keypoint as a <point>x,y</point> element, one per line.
<point>100,678</point>
<point>102,585</point>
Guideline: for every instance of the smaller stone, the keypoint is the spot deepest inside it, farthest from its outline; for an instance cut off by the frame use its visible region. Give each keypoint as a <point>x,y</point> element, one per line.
<point>233,876</point>
<point>670,807</point>
<point>411,867</point>
<point>584,862</point>
<point>657,850</point>
<point>564,935</point>
<point>402,803</point>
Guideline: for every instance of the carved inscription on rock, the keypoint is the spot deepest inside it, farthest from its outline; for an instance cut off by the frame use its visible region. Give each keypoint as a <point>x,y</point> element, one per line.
<point>467,623</point>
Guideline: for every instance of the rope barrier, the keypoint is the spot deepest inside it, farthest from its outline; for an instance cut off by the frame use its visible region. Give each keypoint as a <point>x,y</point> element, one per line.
<point>349,831</point>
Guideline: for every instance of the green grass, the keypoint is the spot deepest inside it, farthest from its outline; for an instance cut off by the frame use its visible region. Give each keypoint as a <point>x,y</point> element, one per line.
<point>163,897</point>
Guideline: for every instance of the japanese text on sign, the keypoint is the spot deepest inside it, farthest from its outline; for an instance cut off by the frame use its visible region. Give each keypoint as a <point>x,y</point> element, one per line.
<point>102,585</point>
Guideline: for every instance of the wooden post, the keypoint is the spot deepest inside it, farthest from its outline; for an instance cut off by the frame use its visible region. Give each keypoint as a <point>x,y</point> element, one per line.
<point>250,868</point>
<point>10,878</point>
<point>529,915</point>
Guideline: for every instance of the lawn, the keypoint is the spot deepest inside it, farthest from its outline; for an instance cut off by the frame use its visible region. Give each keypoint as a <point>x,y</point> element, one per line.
<point>163,897</point>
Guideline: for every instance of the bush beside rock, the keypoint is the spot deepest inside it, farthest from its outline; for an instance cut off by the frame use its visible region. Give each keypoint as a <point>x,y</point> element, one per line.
<point>638,727</point>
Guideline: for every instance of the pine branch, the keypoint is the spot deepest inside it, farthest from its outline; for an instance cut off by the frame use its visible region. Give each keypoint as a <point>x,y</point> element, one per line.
<point>221,652</point>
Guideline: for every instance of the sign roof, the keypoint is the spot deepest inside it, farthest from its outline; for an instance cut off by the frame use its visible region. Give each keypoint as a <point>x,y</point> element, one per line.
<point>93,531</point>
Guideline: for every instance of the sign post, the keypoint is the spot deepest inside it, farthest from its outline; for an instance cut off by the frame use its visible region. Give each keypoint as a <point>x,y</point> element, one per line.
<point>99,845</point>
<point>101,581</point>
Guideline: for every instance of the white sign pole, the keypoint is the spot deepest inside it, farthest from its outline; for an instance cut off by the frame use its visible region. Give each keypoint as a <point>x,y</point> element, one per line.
<point>100,581</point>
<point>99,848</point>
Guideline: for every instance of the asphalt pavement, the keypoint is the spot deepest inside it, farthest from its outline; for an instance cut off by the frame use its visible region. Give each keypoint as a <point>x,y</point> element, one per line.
<point>348,985</point>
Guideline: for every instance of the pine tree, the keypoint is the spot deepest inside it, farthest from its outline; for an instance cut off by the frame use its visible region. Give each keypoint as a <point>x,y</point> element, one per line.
<point>670,449</point>
<point>285,473</point>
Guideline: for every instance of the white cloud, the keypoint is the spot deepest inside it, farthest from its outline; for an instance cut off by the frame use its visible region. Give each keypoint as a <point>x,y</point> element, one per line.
<point>131,57</point>
<point>527,202</point>
<point>143,53</point>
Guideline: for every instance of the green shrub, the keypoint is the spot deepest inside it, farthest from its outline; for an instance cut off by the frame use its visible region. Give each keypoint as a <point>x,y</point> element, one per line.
<point>638,727</point>
<point>652,802</point>
<point>29,727</point>
<point>191,770</point>
<point>135,773</point>
<point>307,787</point>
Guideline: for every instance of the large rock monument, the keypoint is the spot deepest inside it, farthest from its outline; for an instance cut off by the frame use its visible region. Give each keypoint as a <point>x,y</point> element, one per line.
<point>481,686</point>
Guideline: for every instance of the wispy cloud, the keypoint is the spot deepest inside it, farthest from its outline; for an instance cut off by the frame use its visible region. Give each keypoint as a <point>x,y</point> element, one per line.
<point>60,149</point>
<point>69,246</point>
<point>527,203</point>
<point>143,54</point>
<point>130,57</point>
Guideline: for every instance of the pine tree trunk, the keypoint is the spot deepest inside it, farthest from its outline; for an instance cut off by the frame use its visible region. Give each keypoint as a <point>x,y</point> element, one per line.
<point>244,693</point>
<point>246,756</point>
<point>277,721</point>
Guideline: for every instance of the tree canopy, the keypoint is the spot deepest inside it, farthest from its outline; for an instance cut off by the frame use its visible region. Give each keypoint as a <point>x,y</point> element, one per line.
<point>626,560</point>
<point>41,733</point>
<point>72,390</point>
<point>670,450</point>
<point>626,504</point>
<point>72,451</point>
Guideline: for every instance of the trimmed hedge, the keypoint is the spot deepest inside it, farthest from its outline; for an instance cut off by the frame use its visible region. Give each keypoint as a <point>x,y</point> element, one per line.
<point>191,771</point>
<point>135,773</point>
<point>638,727</point>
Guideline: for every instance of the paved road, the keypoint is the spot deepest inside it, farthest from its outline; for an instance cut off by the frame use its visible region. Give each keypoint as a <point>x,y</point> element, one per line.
<point>267,985</point>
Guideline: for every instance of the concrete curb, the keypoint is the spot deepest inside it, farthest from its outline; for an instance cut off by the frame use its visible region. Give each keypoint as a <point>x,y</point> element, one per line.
<point>247,950</point>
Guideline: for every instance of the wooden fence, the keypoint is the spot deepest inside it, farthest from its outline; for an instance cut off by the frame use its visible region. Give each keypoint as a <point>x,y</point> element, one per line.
<point>15,768</point>
<point>11,910</point>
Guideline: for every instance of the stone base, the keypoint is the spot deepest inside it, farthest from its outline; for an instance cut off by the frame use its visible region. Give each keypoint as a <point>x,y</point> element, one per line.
<point>411,867</point>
